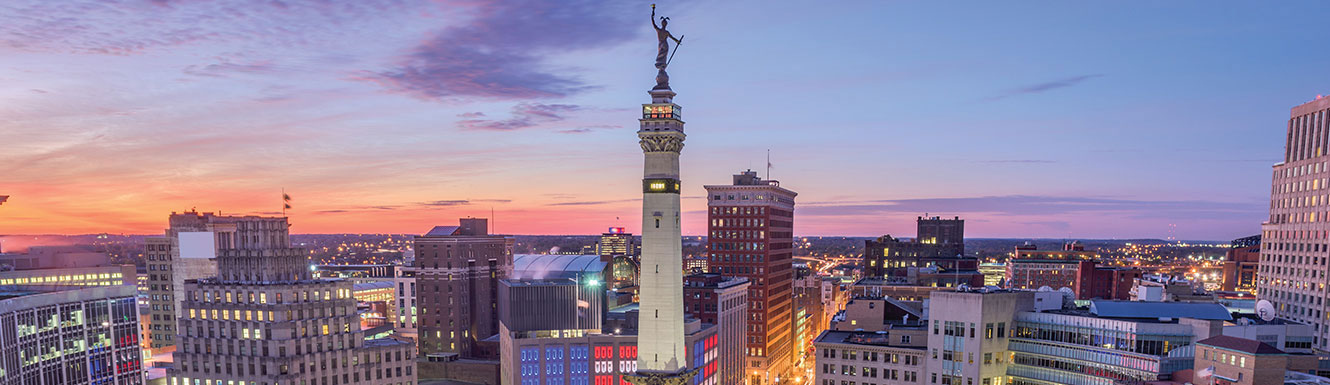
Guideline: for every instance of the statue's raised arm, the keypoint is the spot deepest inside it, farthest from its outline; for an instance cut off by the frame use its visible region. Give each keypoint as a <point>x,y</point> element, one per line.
<point>663,37</point>
<point>663,56</point>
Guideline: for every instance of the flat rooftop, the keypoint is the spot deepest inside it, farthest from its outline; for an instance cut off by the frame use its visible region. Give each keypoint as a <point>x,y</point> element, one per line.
<point>1157,310</point>
<point>865,338</point>
<point>378,342</point>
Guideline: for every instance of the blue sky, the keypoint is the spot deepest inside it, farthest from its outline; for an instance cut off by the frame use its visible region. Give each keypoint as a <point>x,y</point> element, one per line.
<point>1030,119</point>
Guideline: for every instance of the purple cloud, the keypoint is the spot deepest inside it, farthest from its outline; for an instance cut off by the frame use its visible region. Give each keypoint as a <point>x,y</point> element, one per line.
<point>1017,161</point>
<point>454,202</point>
<point>1046,86</point>
<point>592,203</point>
<point>587,129</point>
<point>226,68</point>
<point>493,200</point>
<point>523,116</point>
<point>125,27</point>
<point>1053,225</point>
<point>499,53</point>
<point>1039,205</point>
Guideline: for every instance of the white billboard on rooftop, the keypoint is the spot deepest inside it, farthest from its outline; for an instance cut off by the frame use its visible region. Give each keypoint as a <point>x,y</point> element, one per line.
<point>198,245</point>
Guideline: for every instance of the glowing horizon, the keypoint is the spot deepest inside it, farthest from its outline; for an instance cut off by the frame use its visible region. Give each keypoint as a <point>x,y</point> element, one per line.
<point>381,117</point>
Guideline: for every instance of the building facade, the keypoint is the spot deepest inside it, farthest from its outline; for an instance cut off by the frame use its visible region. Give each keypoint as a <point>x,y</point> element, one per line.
<point>405,320</point>
<point>1083,277</point>
<point>457,271</point>
<point>721,301</point>
<point>939,243</point>
<point>76,276</point>
<point>939,231</point>
<point>1035,273</point>
<point>556,304</point>
<point>806,311</point>
<point>69,335</point>
<point>53,257</point>
<point>1240,361</point>
<point>993,336</point>
<point>1106,347</point>
<point>892,357</point>
<point>995,274</point>
<point>376,301</point>
<point>188,250</point>
<point>547,358</point>
<point>968,335</point>
<point>616,242</point>
<point>1294,252</point>
<point>751,234</point>
<point>266,320</point>
<point>1073,250</point>
<point>1242,264</point>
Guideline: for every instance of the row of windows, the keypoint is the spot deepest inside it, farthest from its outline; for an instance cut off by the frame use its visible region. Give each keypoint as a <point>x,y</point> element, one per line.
<point>871,372</point>
<point>69,279</point>
<point>347,378</point>
<point>954,328</point>
<point>738,246</point>
<point>738,210</point>
<point>738,234</point>
<point>239,296</point>
<point>872,356</point>
<point>1152,344</point>
<point>743,197</point>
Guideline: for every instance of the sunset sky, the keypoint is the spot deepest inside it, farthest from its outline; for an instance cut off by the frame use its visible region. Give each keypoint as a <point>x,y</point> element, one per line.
<point>1038,119</point>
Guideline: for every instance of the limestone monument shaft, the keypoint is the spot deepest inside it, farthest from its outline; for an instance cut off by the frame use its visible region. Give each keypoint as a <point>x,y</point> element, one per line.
<point>661,358</point>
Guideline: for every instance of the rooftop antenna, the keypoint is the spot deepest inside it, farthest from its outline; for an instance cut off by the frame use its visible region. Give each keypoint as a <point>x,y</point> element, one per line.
<point>494,222</point>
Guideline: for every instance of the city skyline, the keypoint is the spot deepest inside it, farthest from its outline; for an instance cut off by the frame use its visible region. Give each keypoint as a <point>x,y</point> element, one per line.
<point>1129,122</point>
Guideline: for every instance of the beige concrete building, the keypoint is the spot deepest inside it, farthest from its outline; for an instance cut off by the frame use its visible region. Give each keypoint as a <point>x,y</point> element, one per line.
<point>404,322</point>
<point>969,334</point>
<point>187,251</point>
<point>1294,250</point>
<point>265,320</point>
<point>866,357</point>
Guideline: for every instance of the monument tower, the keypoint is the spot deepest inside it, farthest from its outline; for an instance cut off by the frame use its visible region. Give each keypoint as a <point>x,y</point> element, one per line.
<point>660,340</point>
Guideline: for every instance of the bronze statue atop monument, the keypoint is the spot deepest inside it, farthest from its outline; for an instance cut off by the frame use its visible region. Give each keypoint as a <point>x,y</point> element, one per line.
<point>663,56</point>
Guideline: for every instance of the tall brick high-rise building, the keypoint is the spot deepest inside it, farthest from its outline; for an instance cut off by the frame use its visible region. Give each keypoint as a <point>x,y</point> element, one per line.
<point>457,270</point>
<point>1294,253</point>
<point>751,234</point>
